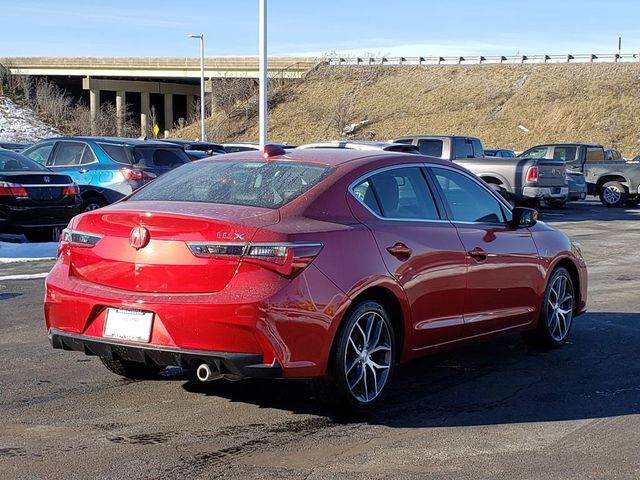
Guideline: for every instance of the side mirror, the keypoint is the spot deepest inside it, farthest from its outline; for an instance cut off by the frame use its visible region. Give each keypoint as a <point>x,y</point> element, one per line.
<point>523,217</point>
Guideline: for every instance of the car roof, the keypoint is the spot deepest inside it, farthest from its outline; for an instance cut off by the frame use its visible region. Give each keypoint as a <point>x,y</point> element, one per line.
<point>115,140</point>
<point>332,157</point>
<point>568,144</point>
<point>368,145</point>
<point>431,135</point>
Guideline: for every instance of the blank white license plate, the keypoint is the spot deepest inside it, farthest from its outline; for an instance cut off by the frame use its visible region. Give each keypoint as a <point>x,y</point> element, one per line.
<point>128,324</point>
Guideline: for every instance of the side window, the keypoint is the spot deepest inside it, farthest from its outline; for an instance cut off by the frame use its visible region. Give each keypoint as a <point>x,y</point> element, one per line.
<point>536,152</point>
<point>595,154</point>
<point>433,148</point>
<point>478,151</point>
<point>68,154</point>
<point>41,153</point>
<point>462,148</point>
<point>566,154</point>
<point>467,199</point>
<point>403,193</point>
<point>406,141</point>
<point>508,154</point>
<point>364,193</point>
<point>88,156</point>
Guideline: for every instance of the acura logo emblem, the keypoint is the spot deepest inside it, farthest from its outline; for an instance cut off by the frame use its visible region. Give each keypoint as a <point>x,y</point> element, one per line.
<point>47,179</point>
<point>139,237</point>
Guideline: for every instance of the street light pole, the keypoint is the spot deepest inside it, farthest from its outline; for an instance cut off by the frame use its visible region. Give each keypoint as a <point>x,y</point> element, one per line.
<point>263,118</point>
<point>202,103</point>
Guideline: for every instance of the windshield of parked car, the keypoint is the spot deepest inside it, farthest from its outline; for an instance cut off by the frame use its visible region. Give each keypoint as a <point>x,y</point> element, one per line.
<point>11,161</point>
<point>256,184</point>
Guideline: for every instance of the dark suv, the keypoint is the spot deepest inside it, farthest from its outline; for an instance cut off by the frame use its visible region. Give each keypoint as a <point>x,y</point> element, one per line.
<point>107,169</point>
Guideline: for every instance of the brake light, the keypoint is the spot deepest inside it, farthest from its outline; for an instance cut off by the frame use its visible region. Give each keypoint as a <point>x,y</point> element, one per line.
<point>77,238</point>
<point>532,174</point>
<point>131,174</point>
<point>8,189</point>
<point>71,190</point>
<point>287,259</point>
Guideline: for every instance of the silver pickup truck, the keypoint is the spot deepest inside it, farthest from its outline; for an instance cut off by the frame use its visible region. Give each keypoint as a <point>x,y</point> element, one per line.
<point>520,180</point>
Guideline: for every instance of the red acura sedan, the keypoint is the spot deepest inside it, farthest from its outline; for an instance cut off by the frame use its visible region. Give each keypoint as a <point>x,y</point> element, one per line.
<point>323,264</point>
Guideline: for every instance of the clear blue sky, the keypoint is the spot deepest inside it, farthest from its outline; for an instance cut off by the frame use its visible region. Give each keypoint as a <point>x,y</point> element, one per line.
<point>306,27</point>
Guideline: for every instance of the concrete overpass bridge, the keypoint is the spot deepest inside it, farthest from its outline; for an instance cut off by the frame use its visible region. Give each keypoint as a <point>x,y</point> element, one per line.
<point>141,80</point>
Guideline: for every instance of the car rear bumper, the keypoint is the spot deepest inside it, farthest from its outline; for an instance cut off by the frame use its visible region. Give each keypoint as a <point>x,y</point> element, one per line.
<point>237,364</point>
<point>17,219</point>
<point>545,193</point>
<point>248,330</point>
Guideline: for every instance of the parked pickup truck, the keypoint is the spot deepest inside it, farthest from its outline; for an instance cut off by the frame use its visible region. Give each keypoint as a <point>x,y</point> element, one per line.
<point>617,183</point>
<point>519,180</point>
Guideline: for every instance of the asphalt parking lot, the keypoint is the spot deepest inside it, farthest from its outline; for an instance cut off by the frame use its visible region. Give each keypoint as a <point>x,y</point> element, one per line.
<point>493,410</point>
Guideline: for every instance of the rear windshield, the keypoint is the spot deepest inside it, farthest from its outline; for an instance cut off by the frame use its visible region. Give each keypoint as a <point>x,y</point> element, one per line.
<point>118,153</point>
<point>254,184</point>
<point>11,161</point>
<point>159,157</point>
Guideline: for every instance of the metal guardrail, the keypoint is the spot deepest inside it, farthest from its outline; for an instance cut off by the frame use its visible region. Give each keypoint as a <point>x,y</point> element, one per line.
<point>487,59</point>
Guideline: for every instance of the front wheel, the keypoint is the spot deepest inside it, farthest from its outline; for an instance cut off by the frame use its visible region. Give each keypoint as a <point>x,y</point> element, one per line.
<point>361,363</point>
<point>556,313</point>
<point>613,194</point>
<point>131,370</point>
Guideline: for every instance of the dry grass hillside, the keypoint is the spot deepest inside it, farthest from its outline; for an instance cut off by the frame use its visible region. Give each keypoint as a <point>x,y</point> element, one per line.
<point>570,102</point>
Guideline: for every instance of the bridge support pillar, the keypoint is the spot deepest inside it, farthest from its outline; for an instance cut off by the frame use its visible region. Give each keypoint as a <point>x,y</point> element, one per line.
<point>145,110</point>
<point>120,104</point>
<point>94,108</point>
<point>168,113</point>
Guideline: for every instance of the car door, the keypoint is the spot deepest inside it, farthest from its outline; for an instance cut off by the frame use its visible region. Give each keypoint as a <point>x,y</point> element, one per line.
<point>504,275</point>
<point>420,249</point>
<point>75,159</point>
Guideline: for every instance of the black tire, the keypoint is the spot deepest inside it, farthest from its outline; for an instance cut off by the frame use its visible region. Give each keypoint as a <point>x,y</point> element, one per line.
<point>39,235</point>
<point>556,203</point>
<point>334,390</point>
<point>633,201</point>
<point>131,370</point>
<point>613,194</point>
<point>92,203</point>
<point>549,333</point>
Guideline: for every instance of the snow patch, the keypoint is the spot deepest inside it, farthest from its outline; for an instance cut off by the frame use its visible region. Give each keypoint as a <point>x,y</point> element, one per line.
<point>27,252</point>
<point>19,124</point>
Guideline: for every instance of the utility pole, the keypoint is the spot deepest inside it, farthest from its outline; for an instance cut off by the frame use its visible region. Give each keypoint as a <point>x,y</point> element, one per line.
<point>202,103</point>
<point>263,73</point>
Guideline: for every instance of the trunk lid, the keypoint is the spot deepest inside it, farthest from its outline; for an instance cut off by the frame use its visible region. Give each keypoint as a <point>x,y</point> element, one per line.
<point>165,264</point>
<point>551,173</point>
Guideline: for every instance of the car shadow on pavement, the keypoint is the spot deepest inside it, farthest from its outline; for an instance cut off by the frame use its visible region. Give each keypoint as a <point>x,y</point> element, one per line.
<point>588,211</point>
<point>595,375</point>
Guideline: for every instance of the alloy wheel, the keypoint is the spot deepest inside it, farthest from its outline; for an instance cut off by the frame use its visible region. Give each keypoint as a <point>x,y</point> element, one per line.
<point>612,194</point>
<point>560,305</point>
<point>368,357</point>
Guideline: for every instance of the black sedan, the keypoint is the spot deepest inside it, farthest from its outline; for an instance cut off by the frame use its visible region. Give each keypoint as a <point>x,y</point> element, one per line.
<point>34,201</point>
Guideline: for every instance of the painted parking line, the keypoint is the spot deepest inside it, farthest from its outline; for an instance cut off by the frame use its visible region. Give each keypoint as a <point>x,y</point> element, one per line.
<point>24,277</point>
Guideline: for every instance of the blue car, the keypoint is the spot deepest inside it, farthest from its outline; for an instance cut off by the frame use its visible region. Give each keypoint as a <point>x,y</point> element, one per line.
<point>107,169</point>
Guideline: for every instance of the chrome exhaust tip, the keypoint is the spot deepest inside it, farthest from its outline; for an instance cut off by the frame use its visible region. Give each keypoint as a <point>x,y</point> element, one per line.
<point>205,374</point>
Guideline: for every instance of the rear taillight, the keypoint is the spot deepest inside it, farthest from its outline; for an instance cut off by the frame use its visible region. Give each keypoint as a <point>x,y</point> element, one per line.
<point>131,174</point>
<point>287,259</point>
<point>77,238</point>
<point>8,189</point>
<point>532,174</point>
<point>71,190</point>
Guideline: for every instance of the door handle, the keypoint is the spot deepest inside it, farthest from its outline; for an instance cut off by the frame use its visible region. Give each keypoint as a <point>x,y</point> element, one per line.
<point>83,170</point>
<point>400,251</point>
<point>478,253</point>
